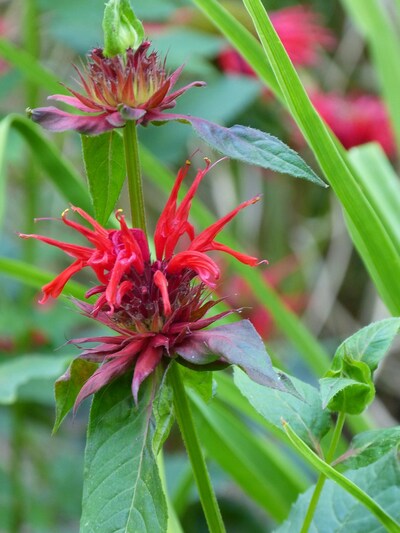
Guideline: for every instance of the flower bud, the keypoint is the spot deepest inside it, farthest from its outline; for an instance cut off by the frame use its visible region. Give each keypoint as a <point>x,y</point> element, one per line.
<point>122,30</point>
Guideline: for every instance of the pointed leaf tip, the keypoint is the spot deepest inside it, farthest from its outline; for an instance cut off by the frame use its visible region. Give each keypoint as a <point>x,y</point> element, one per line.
<point>256,148</point>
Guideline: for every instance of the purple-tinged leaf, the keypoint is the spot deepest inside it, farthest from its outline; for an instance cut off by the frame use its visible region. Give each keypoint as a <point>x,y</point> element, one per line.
<point>68,386</point>
<point>236,344</point>
<point>254,147</point>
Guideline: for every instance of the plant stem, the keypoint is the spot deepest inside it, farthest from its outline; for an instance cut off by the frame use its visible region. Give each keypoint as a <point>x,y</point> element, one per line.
<point>16,475</point>
<point>322,478</point>
<point>134,175</point>
<point>190,438</point>
<point>325,469</point>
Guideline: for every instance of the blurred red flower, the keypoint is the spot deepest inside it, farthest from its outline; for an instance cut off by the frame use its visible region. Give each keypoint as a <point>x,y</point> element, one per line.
<point>301,32</point>
<point>354,119</point>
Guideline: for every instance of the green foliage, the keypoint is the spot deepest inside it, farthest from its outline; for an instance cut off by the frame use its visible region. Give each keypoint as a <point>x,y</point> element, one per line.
<point>303,412</point>
<point>164,414</point>
<point>257,467</point>
<point>122,488</point>
<point>368,447</point>
<point>348,385</point>
<point>339,511</point>
<point>254,147</point>
<point>58,169</point>
<point>105,171</point>
<point>37,277</point>
<point>24,369</point>
<point>67,387</point>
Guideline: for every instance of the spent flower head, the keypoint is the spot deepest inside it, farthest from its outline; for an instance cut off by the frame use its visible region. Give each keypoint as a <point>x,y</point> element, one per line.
<point>154,305</point>
<point>130,86</point>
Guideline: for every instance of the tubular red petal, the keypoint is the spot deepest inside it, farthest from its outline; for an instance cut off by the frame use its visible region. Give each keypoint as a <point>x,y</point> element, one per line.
<point>55,287</point>
<point>165,221</point>
<point>204,266</point>
<point>74,250</point>
<point>204,241</point>
<point>243,258</point>
<point>161,282</point>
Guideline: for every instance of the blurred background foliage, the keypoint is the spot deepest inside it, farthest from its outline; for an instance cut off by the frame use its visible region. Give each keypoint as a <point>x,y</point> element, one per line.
<point>298,227</point>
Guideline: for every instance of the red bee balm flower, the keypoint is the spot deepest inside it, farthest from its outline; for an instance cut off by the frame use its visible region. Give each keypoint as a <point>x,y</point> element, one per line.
<point>301,33</point>
<point>156,307</point>
<point>116,89</point>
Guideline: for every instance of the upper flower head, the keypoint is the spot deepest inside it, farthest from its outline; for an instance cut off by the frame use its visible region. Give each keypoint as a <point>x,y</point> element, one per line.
<point>132,86</point>
<point>154,305</point>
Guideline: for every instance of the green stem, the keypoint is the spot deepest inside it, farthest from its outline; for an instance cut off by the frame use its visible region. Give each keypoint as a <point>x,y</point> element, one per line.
<point>190,438</point>
<point>322,478</point>
<point>16,477</point>
<point>134,175</point>
<point>312,458</point>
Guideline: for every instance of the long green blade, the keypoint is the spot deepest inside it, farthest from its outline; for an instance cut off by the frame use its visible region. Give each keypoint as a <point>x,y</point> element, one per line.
<point>382,252</point>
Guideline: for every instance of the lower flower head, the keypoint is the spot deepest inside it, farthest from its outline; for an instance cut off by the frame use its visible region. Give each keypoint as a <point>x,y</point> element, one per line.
<point>155,305</point>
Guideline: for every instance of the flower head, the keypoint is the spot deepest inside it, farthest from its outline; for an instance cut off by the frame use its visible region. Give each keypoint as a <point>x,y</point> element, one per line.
<point>133,86</point>
<point>154,306</point>
<point>301,33</point>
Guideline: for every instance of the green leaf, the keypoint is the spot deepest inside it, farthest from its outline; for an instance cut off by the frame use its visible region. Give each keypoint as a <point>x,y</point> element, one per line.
<point>369,344</point>
<point>23,369</point>
<point>164,414</point>
<point>122,487</point>
<point>348,395</point>
<point>58,169</point>
<point>201,382</point>
<point>338,511</point>
<point>122,29</point>
<point>67,387</point>
<point>254,147</point>
<point>257,466</point>
<point>368,447</point>
<point>105,170</point>
<point>235,344</point>
<point>305,415</point>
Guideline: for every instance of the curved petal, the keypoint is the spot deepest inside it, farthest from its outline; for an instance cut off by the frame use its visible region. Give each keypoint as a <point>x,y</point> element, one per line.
<point>54,119</point>
<point>55,287</point>
<point>74,102</point>
<point>204,266</point>
<point>145,365</point>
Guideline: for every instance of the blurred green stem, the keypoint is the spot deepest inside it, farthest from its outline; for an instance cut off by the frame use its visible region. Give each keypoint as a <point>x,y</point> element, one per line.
<point>192,444</point>
<point>16,460</point>
<point>134,175</point>
<point>30,31</point>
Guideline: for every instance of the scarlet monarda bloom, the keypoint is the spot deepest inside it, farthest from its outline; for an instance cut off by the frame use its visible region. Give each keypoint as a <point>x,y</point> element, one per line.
<point>157,307</point>
<point>301,33</point>
<point>133,86</point>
